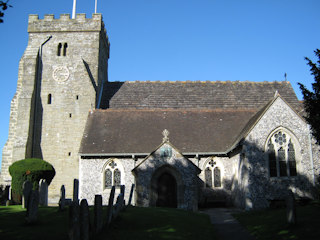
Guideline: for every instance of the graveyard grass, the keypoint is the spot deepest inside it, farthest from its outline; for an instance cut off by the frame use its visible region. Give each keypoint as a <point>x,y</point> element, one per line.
<point>132,223</point>
<point>271,224</point>
<point>160,223</point>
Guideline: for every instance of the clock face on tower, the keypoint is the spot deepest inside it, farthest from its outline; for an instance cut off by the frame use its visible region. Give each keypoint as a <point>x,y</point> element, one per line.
<point>60,74</point>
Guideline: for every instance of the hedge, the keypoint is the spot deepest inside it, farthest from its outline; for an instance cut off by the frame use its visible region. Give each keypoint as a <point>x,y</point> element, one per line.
<point>32,169</point>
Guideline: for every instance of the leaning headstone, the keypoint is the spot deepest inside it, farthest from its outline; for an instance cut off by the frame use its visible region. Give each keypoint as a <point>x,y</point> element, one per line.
<point>131,194</point>
<point>43,193</point>
<point>8,193</point>
<point>62,198</point>
<point>32,207</point>
<point>76,190</point>
<point>84,220</point>
<point>291,208</point>
<point>26,191</point>
<point>98,222</point>
<point>110,205</point>
<point>122,189</point>
<point>74,221</point>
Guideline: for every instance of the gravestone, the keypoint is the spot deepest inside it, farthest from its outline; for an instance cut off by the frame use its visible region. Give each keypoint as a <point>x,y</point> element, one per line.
<point>62,200</point>
<point>118,206</point>
<point>26,191</point>
<point>131,194</point>
<point>43,193</point>
<point>98,222</point>
<point>122,189</point>
<point>74,221</point>
<point>291,208</point>
<point>32,207</point>
<point>110,205</point>
<point>75,190</point>
<point>84,220</point>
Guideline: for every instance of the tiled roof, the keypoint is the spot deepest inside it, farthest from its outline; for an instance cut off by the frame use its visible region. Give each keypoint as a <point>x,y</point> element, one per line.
<point>195,94</point>
<point>202,117</point>
<point>132,131</point>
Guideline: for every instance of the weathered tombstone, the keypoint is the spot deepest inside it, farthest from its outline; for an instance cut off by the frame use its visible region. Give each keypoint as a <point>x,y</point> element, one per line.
<point>110,205</point>
<point>98,222</point>
<point>32,207</point>
<point>7,193</point>
<point>122,189</point>
<point>76,190</point>
<point>26,191</point>
<point>43,193</point>
<point>74,221</point>
<point>131,194</point>
<point>84,220</point>
<point>291,208</point>
<point>62,198</point>
<point>118,206</point>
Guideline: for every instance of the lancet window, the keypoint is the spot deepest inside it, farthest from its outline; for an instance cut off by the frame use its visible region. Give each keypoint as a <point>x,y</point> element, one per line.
<point>112,175</point>
<point>282,157</point>
<point>212,175</point>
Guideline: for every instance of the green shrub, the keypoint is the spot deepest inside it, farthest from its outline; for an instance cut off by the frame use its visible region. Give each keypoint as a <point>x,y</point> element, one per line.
<point>32,169</point>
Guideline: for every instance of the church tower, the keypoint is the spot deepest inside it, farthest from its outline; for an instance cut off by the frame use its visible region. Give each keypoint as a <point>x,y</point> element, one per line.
<point>61,78</point>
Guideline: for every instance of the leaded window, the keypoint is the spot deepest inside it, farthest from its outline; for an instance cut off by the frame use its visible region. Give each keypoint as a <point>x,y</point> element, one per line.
<point>282,158</point>
<point>212,175</point>
<point>112,175</point>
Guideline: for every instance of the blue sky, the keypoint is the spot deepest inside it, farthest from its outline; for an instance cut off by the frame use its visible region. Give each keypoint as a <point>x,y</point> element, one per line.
<point>254,40</point>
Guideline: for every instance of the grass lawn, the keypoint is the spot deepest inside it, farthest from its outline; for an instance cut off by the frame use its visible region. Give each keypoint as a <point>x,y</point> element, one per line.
<point>133,223</point>
<point>271,224</point>
<point>160,223</point>
<point>52,225</point>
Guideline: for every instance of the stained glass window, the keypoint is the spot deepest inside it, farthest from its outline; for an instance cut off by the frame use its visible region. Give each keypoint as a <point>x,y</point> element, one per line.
<point>281,152</point>
<point>117,177</point>
<point>217,177</point>
<point>208,177</point>
<point>108,178</point>
<point>272,161</point>
<point>292,160</point>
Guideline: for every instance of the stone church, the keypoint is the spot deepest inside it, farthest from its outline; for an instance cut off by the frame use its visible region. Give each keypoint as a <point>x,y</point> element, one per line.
<point>182,144</point>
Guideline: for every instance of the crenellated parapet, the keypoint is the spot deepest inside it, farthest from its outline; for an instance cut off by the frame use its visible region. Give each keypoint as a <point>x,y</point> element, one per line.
<point>65,23</point>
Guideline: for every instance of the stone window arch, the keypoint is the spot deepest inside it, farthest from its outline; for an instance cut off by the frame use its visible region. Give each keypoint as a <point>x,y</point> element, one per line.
<point>59,49</point>
<point>213,174</point>
<point>49,100</point>
<point>113,174</point>
<point>65,46</point>
<point>282,153</point>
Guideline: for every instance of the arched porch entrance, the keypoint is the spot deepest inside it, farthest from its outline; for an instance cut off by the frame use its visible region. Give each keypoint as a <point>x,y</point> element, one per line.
<point>166,191</point>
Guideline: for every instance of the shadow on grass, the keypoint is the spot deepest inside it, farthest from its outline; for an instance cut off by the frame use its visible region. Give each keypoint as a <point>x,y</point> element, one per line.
<point>51,224</point>
<point>272,224</point>
<point>159,223</point>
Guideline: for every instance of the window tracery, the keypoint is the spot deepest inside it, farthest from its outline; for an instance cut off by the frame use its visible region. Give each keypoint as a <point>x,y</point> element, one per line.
<point>282,158</point>
<point>112,175</point>
<point>212,175</point>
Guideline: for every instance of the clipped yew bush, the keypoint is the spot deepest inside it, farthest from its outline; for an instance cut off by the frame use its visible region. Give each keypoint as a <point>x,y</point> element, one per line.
<point>32,169</point>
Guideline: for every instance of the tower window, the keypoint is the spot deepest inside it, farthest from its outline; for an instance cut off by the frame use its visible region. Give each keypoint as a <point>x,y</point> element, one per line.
<point>49,98</point>
<point>70,115</point>
<point>77,97</point>
<point>69,154</point>
<point>65,46</point>
<point>59,49</point>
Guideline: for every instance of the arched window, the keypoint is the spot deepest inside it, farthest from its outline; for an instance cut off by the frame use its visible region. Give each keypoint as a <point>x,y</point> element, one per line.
<point>212,175</point>
<point>49,99</point>
<point>282,158</point>
<point>59,49</point>
<point>112,175</point>
<point>65,46</point>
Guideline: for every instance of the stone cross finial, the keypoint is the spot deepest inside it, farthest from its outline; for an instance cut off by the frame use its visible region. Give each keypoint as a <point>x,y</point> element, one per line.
<point>165,134</point>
